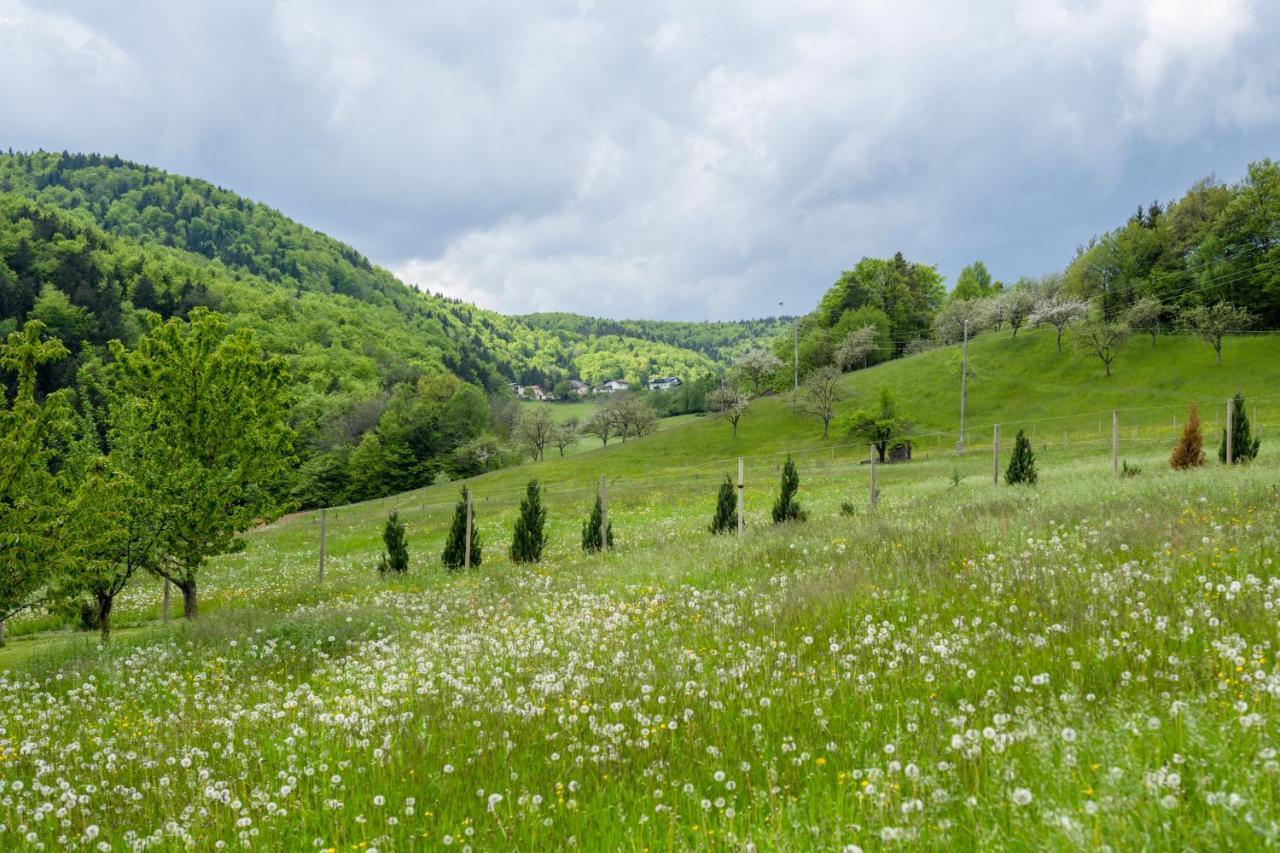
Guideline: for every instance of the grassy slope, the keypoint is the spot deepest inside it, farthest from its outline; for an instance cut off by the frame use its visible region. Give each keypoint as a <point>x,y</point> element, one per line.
<point>950,611</point>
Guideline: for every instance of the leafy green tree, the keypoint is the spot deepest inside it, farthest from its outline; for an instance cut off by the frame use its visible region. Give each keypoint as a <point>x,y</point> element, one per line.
<point>121,522</point>
<point>974,282</point>
<point>729,403</point>
<point>1215,322</point>
<point>395,545</point>
<point>1022,465</point>
<point>591,534</point>
<point>819,395</point>
<point>883,427</point>
<point>1060,312</point>
<point>601,425</point>
<point>1244,444</point>
<point>1102,339</point>
<point>529,536</point>
<point>1144,316</point>
<point>756,367</point>
<point>725,519</point>
<point>785,507</point>
<point>455,546</point>
<point>566,435</point>
<point>208,416</point>
<point>35,547</point>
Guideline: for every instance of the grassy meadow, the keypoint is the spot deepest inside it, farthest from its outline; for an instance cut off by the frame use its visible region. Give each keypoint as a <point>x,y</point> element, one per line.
<point>1090,662</point>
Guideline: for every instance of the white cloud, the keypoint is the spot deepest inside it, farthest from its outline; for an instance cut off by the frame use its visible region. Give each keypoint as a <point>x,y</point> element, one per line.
<point>666,159</point>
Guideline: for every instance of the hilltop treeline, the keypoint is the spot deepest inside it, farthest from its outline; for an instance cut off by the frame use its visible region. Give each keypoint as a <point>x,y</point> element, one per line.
<point>393,386</point>
<point>1208,262</point>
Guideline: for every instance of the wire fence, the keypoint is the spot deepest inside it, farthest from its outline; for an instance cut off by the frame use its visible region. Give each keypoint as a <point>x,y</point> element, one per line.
<point>1107,433</point>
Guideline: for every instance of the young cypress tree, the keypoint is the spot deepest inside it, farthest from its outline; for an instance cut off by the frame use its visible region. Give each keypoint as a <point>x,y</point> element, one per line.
<point>785,507</point>
<point>455,547</point>
<point>726,517</point>
<point>395,557</point>
<point>1190,450</point>
<point>1243,444</point>
<point>591,530</point>
<point>529,537</point>
<point>1022,467</point>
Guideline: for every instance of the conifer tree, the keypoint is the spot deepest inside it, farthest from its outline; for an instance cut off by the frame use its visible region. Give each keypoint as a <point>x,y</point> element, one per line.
<point>1244,446</point>
<point>395,557</point>
<point>785,507</point>
<point>529,536</point>
<point>591,540</point>
<point>455,547</point>
<point>1190,450</point>
<point>726,517</point>
<point>1022,467</point>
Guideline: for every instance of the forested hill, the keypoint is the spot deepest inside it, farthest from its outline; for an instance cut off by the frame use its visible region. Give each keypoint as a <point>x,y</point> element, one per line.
<point>720,341</point>
<point>253,243</point>
<point>394,386</point>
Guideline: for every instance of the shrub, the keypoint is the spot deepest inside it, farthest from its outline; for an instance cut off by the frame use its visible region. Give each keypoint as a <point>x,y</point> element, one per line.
<point>530,532</point>
<point>591,539</point>
<point>726,517</point>
<point>395,556</point>
<point>786,508</point>
<point>1022,467</point>
<point>1127,470</point>
<point>1244,446</point>
<point>454,556</point>
<point>1190,450</point>
<point>847,508</point>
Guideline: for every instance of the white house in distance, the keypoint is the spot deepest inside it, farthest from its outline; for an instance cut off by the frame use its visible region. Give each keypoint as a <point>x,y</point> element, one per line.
<point>665,383</point>
<point>613,385</point>
<point>582,389</point>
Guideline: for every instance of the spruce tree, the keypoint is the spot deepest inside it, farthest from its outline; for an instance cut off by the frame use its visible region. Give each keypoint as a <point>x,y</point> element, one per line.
<point>1190,450</point>
<point>726,517</point>
<point>395,556</point>
<point>529,536</point>
<point>455,547</point>
<point>785,507</point>
<point>1244,446</point>
<point>1022,467</point>
<point>591,530</point>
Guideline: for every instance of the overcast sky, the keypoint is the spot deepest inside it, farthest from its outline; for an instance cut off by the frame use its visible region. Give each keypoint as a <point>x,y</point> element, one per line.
<point>652,159</point>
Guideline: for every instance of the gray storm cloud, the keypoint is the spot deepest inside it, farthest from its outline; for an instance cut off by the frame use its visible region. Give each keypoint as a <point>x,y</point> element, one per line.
<point>662,159</point>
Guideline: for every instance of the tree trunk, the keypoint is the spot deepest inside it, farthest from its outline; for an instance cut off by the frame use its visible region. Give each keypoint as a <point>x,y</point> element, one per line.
<point>1,633</point>
<point>105,602</point>
<point>1218,351</point>
<point>189,607</point>
<point>825,425</point>
<point>1059,339</point>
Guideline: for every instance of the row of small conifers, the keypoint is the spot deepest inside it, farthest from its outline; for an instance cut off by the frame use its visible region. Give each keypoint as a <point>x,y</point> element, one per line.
<point>529,535</point>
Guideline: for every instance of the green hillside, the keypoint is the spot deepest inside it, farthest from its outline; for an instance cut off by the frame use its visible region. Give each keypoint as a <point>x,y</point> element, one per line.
<point>966,662</point>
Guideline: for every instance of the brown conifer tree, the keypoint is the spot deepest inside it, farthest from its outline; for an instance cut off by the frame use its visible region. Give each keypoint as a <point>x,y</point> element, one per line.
<point>1190,450</point>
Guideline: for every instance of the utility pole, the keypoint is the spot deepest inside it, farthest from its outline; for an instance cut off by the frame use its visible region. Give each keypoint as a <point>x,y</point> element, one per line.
<point>995,455</point>
<point>964,384</point>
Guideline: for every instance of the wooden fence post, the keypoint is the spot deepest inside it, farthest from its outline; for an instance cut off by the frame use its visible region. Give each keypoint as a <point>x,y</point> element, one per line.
<point>740,486</point>
<point>1230,415</point>
<point>604,514</point>
<point>322,543</point>
<point>466,548</point>
<point>1115,443</point>
<point>874,492</point>
<point>995,455</point>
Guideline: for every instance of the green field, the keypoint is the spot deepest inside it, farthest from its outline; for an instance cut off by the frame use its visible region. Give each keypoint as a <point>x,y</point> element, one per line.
<point>1090,661</point>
